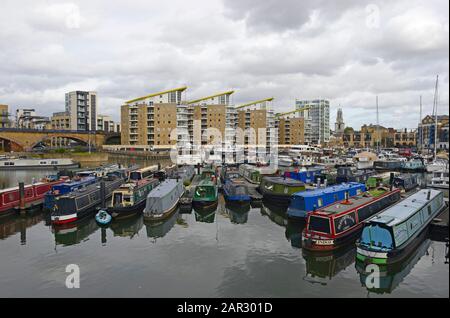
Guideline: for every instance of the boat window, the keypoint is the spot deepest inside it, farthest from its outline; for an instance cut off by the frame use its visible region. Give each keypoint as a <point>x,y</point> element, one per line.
<point>66,206</point>
<point>135,175</point>
<point>203,192</point>
<point>318,224</point>
<point>117,199</point>
<point>126,198</point>
<point>377,237</point>
<point>345,222</point>
<point>429,210</point>
<point>319,202</point>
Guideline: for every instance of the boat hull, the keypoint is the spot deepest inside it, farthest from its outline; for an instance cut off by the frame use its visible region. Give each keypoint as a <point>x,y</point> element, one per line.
<point>126,212</point>
<point>164,215</point>
<point>326,245</point>
<point>48,167</point>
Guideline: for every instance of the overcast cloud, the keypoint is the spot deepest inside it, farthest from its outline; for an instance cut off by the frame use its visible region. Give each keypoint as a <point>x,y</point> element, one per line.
<point>346,51</point>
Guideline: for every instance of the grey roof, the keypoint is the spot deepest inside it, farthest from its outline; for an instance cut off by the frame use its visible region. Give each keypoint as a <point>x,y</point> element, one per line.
<point>404,209</point>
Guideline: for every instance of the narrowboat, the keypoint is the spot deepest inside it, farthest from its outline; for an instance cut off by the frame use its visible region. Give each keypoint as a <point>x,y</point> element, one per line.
<point>349,174</point>
<point>379,180</point>
<point>414,165</point>
<point>65,188</point>
<point>326,177</point>
<point>163,200</point>
<point>278,190</point>
<point>139,174</point>
<point>205,194</point>
<point>254,174</point>
<point>185,173</point>
<point>388,165</point>
<point>129,199</point>
<point>34,195</point>
<point>335,225</point>
<point>406,181</point>
<point>306,176</point>
<point>307,201</point>
<point>78,204</point>
<point>33,163</point>
<point>235,188</point>
<point>389,236</point>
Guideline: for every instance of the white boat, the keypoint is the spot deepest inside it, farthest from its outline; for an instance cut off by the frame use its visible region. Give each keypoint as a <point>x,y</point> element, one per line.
<point>33,163</point>
<point>437,165</point>
<point>439,179</point>
<point>285,161</point>
<point>365,160</point>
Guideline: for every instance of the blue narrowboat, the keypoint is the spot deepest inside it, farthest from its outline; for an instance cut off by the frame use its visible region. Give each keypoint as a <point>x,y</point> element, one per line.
<point>307,201</point>
<point>391,235</point>
<point>65,188</point>
<point>307,176</point>
<point>235,189</point>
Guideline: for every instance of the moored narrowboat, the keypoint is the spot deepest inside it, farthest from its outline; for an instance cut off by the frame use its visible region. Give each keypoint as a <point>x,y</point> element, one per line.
<point>388,165</point>
<point>163,200</point>
<point>307,201</point>
<point>255,174</point>
<point>414,165</point>
<point>278,190</point>
<point>307,176</point>
<point>65,188</point>
<point>205,194</point>
<point>406,181</point>
<point>78,204</point>
<point>338,224</point>
<point>33,195</point>
<point>129,198</point>
<point>387,237</point>
<point>379,180</point>
<point>349,174</point>
<point>235,189</point>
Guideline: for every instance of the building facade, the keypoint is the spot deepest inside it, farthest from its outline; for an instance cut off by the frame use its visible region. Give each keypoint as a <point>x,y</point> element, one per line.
<point>159,120</point>
<point>215,111</point>
<point>82,107</point>
<point>4,117</point>
<point>106,123</point>
<point>257,121</point>
<point>291,131</point>
<point>317,113</point>
<point>426,133</point>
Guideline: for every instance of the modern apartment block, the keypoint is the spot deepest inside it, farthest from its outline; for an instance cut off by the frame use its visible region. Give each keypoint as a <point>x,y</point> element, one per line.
<point>60,121</point>
<point>106,123</point>
<point>4,117</point>
<point>213,111</point>
<point>318,113</point>
<point>291,130</point>
<point>150,120</point>
<point>82,107</point>
<point>252,117</point>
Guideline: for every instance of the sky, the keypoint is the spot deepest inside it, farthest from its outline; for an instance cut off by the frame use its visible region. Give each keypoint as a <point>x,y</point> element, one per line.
<point>347,51</point>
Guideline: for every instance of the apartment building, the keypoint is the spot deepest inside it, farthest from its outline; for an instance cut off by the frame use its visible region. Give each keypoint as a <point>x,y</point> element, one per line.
<point>291,130</point>
<point>317,113</point>
<point>213,111</point>
<point>252,117</point>
<point>60,121</point>
<point>426,132</point>
<point>106,123</point>
<point>4,117</point>
<point>150,120</point>
<point>82,107</point>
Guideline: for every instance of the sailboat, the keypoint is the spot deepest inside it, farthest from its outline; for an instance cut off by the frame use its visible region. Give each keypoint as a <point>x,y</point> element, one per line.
<point>437,164</point>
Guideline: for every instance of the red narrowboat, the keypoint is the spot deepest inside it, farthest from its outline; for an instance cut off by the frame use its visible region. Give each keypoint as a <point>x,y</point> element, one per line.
<point>337,224</point>
<point>34,195</point>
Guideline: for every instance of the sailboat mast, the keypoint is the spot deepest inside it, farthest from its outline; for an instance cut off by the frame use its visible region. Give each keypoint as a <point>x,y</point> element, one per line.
<point>378,128</point>
<point>436,93</point>
<point>420,125</point>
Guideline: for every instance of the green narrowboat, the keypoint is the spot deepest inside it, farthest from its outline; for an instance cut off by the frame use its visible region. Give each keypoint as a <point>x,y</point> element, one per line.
<point>379,180</point>
<point>278,190</point>
<point>205,194</point>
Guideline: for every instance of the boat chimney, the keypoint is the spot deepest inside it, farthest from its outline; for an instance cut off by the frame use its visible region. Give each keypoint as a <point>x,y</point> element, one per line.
<point>325,182</point>
<point>428,195</point>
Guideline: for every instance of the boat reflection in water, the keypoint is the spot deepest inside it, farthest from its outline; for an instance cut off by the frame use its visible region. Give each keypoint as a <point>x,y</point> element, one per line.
<point>127,227</point>
<point>238,213</point>
<point>12,224</point>
<point>294,233</point>
<point>74,233</point>
<point>275,213</point>
<point>205,215</point>
<point>322,267</point>
<point>392,275</point>
<point>157,229</point>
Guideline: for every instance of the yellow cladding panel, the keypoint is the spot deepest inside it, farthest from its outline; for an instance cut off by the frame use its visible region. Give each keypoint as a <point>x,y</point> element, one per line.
<point>209,97</point>
<point>156,94</point>
<point>293,112</point>
<point>256,102</point>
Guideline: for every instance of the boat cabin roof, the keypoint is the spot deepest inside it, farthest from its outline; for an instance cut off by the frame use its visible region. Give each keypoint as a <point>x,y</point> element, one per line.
<point>331,189</point>
<point>206,183</point>
<point>404,209</point>
<point>340,207</point>
<point>164,188</point>
<point>285,181</point>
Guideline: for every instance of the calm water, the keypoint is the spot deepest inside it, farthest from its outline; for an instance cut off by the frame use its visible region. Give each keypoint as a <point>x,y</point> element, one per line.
<point>249,252</point>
